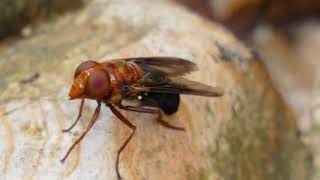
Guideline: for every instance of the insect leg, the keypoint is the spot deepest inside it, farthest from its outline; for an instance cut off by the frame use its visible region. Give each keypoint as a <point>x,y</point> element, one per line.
<point>167,125</point>
<point>76,121</point>
<point>91,123</point>
<point>152,111</point>
<point>138,109</point>
<point>131,126</point>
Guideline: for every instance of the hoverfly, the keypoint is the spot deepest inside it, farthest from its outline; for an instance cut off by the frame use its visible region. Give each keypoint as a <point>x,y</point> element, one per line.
<point>155,81</point>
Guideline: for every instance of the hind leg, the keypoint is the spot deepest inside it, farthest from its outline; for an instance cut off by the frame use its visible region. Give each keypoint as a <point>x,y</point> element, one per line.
<point>152,111</point>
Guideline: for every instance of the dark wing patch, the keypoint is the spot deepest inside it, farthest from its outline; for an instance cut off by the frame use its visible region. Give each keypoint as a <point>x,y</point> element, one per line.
<point>182,86</point>
<point>170,66</point>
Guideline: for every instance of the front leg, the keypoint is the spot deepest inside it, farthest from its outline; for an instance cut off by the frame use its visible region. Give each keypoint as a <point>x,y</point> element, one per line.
<point>77,120</point>
<point>151,111</point>
<point>91,123</point>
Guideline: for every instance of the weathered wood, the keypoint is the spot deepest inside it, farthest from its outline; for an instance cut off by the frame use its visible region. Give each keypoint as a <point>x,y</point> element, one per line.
<point>295,71</point>
<point>246,134</point>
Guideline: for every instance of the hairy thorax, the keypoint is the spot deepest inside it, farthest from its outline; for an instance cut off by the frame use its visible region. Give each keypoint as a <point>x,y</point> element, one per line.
<point>122,74</point>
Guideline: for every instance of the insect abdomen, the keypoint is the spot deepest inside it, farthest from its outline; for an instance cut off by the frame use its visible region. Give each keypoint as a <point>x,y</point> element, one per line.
<point>167,102</point>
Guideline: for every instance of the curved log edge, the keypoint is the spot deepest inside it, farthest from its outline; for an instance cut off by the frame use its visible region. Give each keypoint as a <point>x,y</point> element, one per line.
<point>246,134</point>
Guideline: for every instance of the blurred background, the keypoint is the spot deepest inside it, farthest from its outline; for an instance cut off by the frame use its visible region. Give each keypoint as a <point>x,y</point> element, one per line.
<point>284,34</point>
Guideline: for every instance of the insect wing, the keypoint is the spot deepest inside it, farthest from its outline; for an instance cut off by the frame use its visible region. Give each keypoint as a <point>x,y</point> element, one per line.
<point>181,85</point>
<point>169,66</point>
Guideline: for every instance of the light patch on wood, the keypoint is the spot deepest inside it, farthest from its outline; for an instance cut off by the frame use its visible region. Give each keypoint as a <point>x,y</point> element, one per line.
<point>73,160</point>
<point>11,141</point>
<point>60,118</point>
<point>44,142</point>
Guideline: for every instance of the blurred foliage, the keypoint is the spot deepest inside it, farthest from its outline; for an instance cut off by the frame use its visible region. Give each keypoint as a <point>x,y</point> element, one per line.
<point>10,12</point>
<point>14,14</point>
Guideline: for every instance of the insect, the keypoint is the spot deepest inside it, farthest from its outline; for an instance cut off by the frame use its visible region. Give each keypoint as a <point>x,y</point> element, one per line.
<point>154,81</point>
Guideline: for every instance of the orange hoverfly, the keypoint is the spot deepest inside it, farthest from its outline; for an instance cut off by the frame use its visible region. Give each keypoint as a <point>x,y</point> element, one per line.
<point>155,81</point>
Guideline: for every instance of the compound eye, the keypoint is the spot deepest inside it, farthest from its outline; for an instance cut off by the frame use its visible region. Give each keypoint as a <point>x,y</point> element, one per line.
<point>98,85</point>
<point>84,66</point>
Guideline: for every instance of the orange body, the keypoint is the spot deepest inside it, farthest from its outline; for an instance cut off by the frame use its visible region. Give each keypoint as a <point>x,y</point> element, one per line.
<point>120,73</point>
<point>154,81</point>
<point>105,81</point>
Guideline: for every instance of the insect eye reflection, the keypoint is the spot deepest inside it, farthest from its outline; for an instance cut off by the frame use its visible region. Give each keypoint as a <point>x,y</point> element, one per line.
<point>84,66</point>
<point>98,84</point>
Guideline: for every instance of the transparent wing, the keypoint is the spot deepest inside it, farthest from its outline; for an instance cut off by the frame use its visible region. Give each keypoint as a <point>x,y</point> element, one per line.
<point>181,85</point>
<point>170,66</point>
<point>161,75</point>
